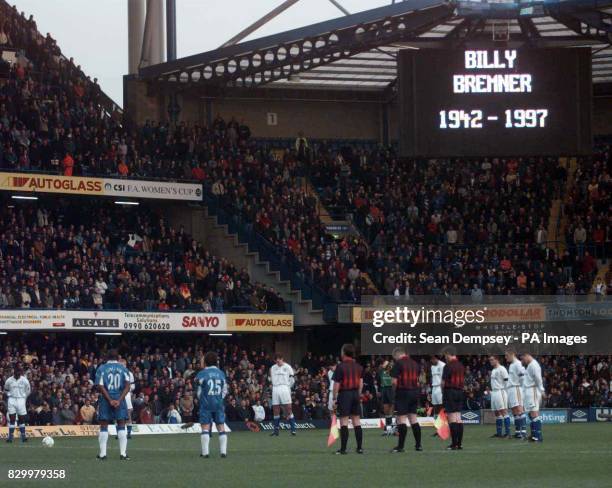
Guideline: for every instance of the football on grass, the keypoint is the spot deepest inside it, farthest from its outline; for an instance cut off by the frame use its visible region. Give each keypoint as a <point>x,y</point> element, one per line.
<point>48,441</point>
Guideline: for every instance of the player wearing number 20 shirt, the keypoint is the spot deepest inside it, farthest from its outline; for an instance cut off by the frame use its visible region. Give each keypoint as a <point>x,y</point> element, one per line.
<point>114,377</point>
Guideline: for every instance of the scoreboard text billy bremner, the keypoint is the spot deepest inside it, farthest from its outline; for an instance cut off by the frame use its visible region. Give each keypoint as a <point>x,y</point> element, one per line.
<point>483,77</point>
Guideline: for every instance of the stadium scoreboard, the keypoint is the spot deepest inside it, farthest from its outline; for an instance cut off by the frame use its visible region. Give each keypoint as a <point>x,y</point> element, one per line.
<point>495,102</point>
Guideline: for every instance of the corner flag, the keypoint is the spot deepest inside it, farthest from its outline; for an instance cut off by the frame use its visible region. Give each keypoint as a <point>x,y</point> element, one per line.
<point>333,432</point>
<point>441,425</point>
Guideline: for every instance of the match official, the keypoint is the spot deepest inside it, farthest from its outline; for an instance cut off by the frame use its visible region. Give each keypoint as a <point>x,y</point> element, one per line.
<point>453,382</point>
<point>405,374</point>
<point>348,384</point>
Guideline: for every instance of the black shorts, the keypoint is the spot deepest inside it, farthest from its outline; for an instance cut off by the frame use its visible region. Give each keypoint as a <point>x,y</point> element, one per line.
<point>453,400</point>
<point>348,403</point>
<point>387,396</point>
<point>406,401</point>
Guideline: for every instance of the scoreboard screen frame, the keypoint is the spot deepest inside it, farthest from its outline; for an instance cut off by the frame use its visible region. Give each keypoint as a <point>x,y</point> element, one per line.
<point>470,103</point>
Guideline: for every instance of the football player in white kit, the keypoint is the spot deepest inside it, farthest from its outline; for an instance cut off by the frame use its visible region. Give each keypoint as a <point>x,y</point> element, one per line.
<point>330,393</point>
<point>128,400</point>
<point>499,397</point>
<point>281,376</point>
<point>516,374</point>
<point>437,366</point>
<point>533,391</point>
<point>17,389</point>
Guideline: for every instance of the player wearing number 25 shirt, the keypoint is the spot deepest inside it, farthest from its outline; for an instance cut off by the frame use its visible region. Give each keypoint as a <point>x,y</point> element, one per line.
<point>212,388</point>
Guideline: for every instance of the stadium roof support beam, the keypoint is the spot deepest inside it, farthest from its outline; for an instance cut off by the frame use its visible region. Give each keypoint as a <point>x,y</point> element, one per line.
<point>288,54</point>
<point>460,29</point>
<point>260,23</point>
<point>528,28</point>
<point>153,43</point>
<point>136,25</point>
<point>170,30</point>
<point>271,15</point>
<point>321,29</point>
<point>588,23</point>
<point>600,21</point>
<point>339,6</point>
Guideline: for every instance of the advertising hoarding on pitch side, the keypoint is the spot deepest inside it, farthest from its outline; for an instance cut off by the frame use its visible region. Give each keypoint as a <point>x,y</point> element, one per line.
<point>101,321</point>
<point>104,187</point>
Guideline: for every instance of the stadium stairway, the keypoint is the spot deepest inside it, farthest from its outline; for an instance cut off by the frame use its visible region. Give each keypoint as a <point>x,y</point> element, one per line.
<point>217,238</point>
<point>557,222</point>
<point>337,228</point>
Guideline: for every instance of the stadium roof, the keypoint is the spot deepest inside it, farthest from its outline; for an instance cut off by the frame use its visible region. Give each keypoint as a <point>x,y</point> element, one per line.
<point>358,51</point>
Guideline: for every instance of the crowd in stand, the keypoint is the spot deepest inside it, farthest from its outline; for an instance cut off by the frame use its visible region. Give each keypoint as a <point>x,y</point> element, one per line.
<point>61,369</point>
<point>426,227</point>
<point>589,206</point>
<point>75,255</point>
<point>459,227</point>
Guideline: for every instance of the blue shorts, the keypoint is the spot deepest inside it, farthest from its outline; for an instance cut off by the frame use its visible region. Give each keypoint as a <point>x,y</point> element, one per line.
<point>212,416</point>
<point>110,414</point>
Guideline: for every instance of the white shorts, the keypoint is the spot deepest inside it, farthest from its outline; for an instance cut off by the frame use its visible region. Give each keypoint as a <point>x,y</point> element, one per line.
<point>17,406</point>
<point>281,395</point>
<point>128,401</point>
<point>499,400</point>
<point>436,395</point>
<point>515,396</point>
<point>532,400</point>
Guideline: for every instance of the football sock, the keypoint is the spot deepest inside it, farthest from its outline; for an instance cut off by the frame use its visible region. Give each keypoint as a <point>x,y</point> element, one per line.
<point>223,442</point>
<point>499,422</point>
<point>205,441</point>
<point>536,428</point>
<point>524,423</point>
<point>11,431</point>
<point>276,423</point>
<point>122,435</point>
<point>292,422</point>
<point>416,432</point>
<point>344,435</point>
<point>403,430</point>
<point>507,425</point>
<point>517,424</point>
<point>388,423</point>
<point>358,436</point>
<point>102,440</point>
<point>129,430</point>
<point>22,431</point>
<point>453,429</point>
<point>459,434</point>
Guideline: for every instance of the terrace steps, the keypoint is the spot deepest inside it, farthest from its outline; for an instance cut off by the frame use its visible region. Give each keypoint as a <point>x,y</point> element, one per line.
<point>218,239</point>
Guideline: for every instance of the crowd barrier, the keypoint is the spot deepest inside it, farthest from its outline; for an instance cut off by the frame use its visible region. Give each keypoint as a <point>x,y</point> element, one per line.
<point>474,417</point>
<point>93,430</point>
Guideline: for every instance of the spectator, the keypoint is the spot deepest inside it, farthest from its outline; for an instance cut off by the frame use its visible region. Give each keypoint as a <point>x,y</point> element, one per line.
<point>88,412</point>
<point>174,417</point>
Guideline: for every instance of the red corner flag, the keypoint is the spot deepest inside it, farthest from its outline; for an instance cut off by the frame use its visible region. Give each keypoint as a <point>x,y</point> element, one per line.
<point>333,431</point>
<point>441,425</point>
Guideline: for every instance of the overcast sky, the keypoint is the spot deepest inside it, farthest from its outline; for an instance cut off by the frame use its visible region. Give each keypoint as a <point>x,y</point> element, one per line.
<point>94,32</point>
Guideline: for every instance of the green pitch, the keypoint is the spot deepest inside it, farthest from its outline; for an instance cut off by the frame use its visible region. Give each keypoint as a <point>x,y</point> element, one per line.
<point>572,455</point>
